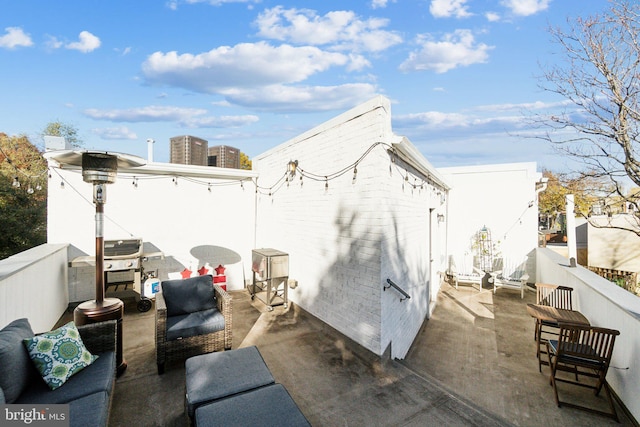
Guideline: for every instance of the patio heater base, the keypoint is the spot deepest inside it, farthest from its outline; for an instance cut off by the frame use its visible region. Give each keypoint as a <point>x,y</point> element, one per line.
<point>109,309</point>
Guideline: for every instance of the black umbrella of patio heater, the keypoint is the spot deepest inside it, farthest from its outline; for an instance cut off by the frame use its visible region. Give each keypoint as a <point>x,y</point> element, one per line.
<point>99,168</point>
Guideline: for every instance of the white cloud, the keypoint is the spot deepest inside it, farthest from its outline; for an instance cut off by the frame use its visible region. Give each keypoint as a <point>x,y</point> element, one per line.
<point>449,8</point>
<point>492,16</point>
<point>340,30</point>
<point>152,113</point>
<point>52,42</point>
<point>433,119</point>
<point>526,7</point>
<point>186,117</point>
<point>380,4</point>
<point>121,132</point>
<point>244,65</point>
<point>87,43</point>
<point>282,98</point>
<point>220,121</point>
<point>15,37</point>
<point>457,49</point>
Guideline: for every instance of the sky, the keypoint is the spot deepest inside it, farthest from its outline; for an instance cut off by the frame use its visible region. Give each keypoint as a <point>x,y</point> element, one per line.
<point>461,74</point>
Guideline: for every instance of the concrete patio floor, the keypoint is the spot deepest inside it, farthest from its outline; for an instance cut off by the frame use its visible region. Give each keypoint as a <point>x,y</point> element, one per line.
<point>473,364</point>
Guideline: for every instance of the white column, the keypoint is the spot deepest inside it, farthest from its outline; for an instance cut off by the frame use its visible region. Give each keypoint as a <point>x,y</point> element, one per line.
<point>571,231</point>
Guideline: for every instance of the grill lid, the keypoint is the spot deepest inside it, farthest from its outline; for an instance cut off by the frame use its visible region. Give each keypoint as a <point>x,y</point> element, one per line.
<point>124,248</point>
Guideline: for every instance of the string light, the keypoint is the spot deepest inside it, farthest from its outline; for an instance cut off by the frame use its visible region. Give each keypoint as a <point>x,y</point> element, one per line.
<point>15,183</point>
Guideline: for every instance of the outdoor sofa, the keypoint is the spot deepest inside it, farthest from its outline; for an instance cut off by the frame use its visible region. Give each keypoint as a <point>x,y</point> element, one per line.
<point>88,391</point>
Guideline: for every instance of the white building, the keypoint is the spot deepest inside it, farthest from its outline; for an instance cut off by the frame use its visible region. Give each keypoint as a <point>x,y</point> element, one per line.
<point>362,207</point>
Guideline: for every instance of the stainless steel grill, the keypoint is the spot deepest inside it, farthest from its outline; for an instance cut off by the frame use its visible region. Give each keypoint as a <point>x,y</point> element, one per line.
<point>123,269</point>
<point>122,255</point>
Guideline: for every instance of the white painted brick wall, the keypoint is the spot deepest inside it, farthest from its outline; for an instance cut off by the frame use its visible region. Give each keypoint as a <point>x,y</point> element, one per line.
<point>345,241</point>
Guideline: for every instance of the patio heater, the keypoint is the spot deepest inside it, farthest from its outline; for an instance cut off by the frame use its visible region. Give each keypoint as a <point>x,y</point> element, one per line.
<point>99,169</point>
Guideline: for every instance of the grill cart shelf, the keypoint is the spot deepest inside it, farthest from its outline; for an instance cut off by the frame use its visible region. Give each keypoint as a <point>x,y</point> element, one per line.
<point>270,275</point>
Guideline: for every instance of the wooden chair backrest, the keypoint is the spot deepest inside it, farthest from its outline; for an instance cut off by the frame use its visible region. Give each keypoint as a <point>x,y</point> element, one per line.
<point>586,346</point>
<point>554,296</point>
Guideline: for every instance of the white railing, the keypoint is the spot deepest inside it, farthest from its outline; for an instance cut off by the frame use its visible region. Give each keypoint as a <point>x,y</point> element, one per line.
<point>34,284</point>
<point>606,305</point>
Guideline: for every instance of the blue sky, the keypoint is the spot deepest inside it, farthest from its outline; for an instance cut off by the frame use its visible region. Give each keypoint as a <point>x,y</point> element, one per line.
<point>253,74</point>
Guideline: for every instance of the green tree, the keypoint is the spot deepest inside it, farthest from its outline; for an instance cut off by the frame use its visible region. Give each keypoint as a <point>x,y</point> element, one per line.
<point>587,192</point>
<point>69,132</point>
<point>23,195</point>
<point>599,76</point>
<point>245,161</point>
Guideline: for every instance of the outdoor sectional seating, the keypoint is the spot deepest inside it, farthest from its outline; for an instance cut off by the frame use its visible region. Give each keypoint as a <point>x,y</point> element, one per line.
<point>193,316</point>
<point>88,392</point>
<point>236,388</point>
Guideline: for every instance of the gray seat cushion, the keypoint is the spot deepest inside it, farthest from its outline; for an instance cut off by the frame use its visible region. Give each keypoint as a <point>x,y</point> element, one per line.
<point>185,296</point>
<point>90,411</point>
<point>217,375</point>
<point>16,368</point>
<point>95,378</point>
<point>192,324</point>
<point>266,406</point>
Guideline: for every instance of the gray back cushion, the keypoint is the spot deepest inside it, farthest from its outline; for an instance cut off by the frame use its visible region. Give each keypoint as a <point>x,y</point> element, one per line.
<point>185,296</point>
<point>16,368</point>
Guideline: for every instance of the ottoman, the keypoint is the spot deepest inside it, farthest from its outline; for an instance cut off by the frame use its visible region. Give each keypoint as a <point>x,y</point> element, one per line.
<point>214,376</point>
<point>266,406</point>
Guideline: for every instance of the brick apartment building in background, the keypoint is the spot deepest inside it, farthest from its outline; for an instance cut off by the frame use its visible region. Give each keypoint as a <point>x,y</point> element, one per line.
<point>188,150</point>
<point>223,156</point>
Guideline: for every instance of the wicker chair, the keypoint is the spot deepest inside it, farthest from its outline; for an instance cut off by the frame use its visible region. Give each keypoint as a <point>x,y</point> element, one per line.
<point>190,320</point>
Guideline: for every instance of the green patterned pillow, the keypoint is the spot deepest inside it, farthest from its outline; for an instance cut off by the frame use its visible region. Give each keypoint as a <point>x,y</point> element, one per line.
<point>59,354</point>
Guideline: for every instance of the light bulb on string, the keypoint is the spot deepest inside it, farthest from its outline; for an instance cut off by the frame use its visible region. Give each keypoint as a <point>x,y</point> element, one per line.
<point>355,173</point>
<point>15,183</point>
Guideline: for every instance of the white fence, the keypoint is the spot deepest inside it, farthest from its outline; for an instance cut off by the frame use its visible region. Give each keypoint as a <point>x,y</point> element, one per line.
<point>34,284</point>
<point>605,305</point>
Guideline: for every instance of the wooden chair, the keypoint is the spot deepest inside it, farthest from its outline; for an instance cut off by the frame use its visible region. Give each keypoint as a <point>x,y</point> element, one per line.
<point>583,351</point>
<point>554,296</point>
<point>193,316</point>
<point>464,273</point>
<point>510,274</point>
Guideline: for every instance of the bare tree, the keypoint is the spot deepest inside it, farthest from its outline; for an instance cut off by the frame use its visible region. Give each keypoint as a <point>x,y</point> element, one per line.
<point>599,76</point>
